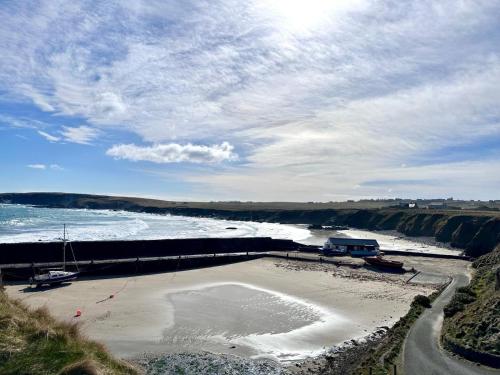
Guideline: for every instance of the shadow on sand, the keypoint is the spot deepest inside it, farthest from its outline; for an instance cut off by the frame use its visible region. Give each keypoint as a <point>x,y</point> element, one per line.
<point>39,289</point>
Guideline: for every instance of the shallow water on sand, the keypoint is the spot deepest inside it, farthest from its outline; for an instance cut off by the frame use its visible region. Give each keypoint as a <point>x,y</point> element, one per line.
<point>250,321</point>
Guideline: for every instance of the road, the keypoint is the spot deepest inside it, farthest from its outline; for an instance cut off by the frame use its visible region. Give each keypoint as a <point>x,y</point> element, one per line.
<point>422,352</point>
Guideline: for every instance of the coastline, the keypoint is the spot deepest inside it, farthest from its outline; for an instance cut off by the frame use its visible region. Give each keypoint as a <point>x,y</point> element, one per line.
<point>341,310</point>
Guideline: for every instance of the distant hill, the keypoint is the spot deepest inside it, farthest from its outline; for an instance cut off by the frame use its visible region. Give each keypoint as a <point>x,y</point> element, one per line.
<point>118,202</point>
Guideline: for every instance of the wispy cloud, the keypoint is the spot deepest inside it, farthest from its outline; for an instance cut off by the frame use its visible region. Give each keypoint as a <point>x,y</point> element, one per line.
<point>55,167</point>
<point>82,134</point>
<point>175,153</point>
<point>49,137</point>
<point>318,98</point>
<point>37,166</point>
<point>21,122</point>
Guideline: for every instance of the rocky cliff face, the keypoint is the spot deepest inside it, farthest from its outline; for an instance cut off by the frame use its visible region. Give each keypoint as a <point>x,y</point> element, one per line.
<point>477,233</point>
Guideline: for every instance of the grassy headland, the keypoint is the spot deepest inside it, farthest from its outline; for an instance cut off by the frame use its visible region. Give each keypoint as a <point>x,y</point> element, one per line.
<point>32,342</point>
<point>472,318</point>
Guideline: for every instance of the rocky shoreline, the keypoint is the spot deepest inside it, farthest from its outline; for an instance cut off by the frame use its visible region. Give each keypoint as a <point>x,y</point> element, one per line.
<point>339,360</point>
<point>206,363</point>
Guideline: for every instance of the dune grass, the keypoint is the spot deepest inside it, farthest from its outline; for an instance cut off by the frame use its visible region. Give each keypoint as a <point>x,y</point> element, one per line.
<point>32,342</point>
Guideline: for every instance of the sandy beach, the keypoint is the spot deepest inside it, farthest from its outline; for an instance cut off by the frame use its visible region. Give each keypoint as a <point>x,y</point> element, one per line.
<point>267,308</point>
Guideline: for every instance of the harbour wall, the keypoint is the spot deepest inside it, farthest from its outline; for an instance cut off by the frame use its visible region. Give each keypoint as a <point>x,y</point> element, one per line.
<point>140,266</point>
<point>50,252</point>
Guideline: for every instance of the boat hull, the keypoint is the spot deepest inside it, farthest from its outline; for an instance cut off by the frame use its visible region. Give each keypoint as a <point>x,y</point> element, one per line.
<point>54,280</point>
<point>384,263</point>
<point>332,252</point>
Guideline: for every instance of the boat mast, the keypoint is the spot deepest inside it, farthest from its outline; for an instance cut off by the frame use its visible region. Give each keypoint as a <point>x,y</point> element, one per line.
<point>64,247</point>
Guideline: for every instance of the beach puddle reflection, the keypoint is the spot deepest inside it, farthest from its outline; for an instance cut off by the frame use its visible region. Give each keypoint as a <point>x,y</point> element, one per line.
<point>247,319</point>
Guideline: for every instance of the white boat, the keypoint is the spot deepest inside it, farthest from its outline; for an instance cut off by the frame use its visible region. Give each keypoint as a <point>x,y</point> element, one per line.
<point>56,276</point>
<point>329,249</point>
<point>53,277</point>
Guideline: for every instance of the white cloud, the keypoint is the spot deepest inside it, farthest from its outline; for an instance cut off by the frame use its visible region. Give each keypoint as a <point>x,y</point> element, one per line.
<point>317,98</point>
<point>37,98</point>
<point>37,166</point>
<point>174,153</point>
<point>81,134</point>
<point>55,167</point>
<point>49,137</point>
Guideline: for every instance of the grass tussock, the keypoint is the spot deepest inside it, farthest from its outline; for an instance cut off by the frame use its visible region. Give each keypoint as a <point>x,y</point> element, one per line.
<point>32,342</point>
<point>472,318</point>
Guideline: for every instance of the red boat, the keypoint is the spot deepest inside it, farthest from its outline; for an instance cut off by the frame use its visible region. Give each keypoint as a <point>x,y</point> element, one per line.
<point>379,261</point>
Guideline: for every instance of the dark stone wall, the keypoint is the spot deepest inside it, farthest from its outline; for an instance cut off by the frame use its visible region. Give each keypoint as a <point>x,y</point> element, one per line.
<point>44,252</point>
<point>473,355</point>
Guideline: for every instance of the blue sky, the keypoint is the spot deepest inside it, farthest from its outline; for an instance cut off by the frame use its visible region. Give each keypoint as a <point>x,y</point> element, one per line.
<point>253,100</point>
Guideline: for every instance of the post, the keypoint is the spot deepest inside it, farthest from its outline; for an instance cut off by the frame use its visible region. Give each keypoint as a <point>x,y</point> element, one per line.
<point>395,370</point>
<point>1,279</point>
<point>370,371</point>
<point>64,247</point>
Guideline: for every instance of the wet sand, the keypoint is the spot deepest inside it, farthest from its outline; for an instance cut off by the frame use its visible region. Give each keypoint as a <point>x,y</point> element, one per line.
<point>269,308</point>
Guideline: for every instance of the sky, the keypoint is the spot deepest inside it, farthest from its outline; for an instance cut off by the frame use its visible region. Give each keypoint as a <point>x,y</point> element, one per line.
<point>261,100</point>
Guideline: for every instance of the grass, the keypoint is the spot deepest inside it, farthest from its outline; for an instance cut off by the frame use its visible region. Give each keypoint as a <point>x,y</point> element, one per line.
<point>382,358</point>
<point>32,342</point>
<point>472,317</point>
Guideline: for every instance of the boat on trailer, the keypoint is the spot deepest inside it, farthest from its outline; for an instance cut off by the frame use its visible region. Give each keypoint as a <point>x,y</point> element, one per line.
<point>56,276</point>
<point>379,261</point>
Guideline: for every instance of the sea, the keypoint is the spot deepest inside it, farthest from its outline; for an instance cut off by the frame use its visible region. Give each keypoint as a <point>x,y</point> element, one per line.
<point>23,223</point>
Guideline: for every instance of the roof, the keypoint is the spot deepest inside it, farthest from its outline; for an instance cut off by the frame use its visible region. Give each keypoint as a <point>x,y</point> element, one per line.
<point>352,241</point>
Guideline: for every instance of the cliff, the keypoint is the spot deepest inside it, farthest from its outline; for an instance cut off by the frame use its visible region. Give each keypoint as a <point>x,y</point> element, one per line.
<point>477,232</point>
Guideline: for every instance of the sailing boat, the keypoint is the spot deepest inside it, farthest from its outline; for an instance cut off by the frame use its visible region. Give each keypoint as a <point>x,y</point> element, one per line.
<point>57,276</point>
